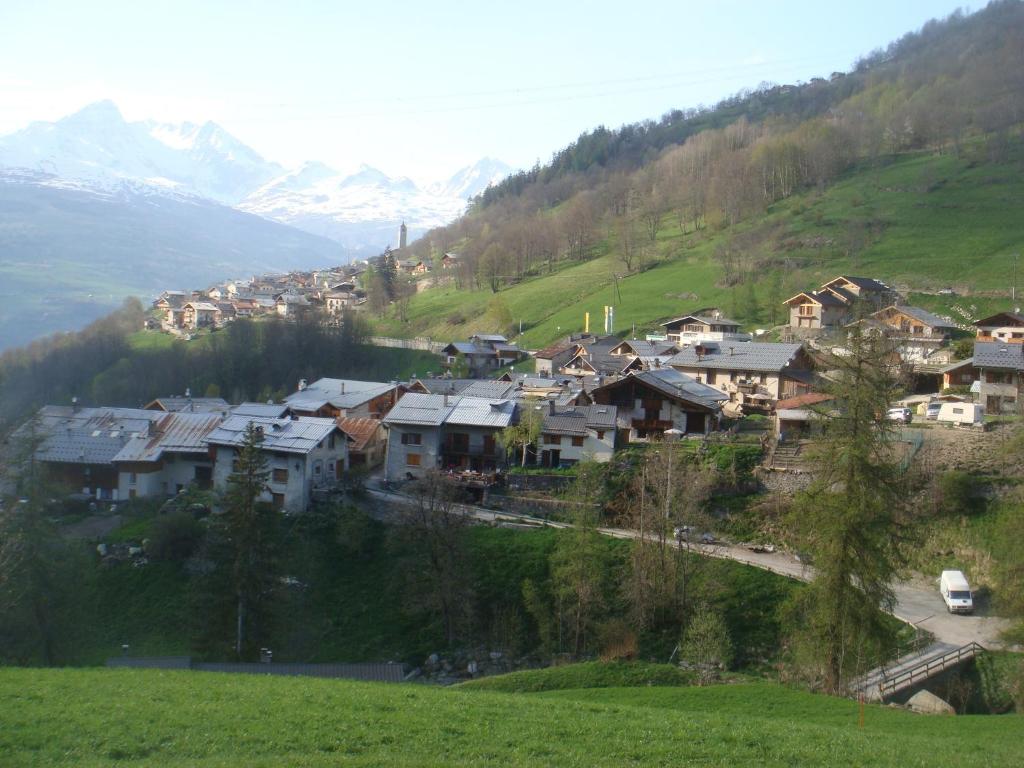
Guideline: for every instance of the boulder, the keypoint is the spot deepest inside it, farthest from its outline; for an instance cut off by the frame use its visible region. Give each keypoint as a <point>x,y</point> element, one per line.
<point>927,703</point>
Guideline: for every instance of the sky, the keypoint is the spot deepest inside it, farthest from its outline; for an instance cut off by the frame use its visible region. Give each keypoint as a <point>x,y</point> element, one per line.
<point>421,89</point>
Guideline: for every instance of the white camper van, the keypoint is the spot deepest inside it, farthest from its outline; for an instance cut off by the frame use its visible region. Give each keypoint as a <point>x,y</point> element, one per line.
<point>962,413</point>
<point>956,592</point>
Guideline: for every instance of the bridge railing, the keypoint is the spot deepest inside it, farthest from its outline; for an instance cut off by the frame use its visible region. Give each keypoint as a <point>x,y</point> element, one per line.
<point>933,665</point>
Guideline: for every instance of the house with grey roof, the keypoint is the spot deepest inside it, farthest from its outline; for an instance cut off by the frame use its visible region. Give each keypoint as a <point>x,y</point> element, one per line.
<point>916,333</point>
<point>1000,367</point>
<point>751,372</point>
<point>1002,326</point>
<point>189,403</point>
<point>452,433</point>
<point>648,403</point>
<point>303,454</point>
<point>346,398</point>
<point>706,325</point>
<point>837,302</point>
<point>576,433</point>
<point>481,353</point>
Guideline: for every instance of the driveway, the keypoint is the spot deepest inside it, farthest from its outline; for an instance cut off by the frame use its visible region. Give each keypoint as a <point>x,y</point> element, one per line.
<point>917,601</point>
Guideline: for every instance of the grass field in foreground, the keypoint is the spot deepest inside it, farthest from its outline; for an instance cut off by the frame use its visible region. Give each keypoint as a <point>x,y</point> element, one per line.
<point>103,717</point>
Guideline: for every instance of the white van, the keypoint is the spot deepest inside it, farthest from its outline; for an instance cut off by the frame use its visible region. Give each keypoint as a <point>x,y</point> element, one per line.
<point>956,592</point>
<point>962,413</point>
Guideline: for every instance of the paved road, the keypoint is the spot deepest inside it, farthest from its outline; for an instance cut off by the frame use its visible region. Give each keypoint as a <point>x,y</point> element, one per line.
<point>917,602</point>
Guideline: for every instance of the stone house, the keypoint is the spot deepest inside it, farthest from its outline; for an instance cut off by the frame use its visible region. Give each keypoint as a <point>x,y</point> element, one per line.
<point>749,372</point>
<point>1000,367</point>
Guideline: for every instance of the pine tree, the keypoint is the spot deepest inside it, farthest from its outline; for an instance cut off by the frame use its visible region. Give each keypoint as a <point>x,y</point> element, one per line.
<point>849,520</point>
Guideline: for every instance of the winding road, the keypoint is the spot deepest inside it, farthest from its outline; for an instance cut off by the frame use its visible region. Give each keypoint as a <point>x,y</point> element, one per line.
<point>917,602</point>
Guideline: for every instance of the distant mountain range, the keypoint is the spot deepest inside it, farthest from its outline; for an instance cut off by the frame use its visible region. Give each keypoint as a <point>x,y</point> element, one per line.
<point>361,211</point>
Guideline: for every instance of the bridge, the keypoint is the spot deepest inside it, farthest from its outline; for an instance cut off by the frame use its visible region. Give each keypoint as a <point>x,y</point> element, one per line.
<point>911,670</point>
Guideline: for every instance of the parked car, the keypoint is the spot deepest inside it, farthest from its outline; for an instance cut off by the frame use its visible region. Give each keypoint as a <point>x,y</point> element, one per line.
<point>956,592</point>
<point>931,411</point>
<point>904,415</point>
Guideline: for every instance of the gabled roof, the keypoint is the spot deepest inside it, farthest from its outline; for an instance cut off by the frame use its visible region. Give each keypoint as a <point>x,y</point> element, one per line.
<point>481,412</point>
<point>921,315</point>
<point>704,319</point>
<point>818,297</point>
<point>192,404</point>
<point>554,350</point>
<point>739,356</point>
<point>423,410</point>
<point>299,435</point>
<point>202,306</point>
<point>89,435</point>
<point>641,348</point>
<point>489,337</point>
<point>1002,318</point>
<point>174,433</point>
<point>339,393</point>
<point>441,386</point>
<point>997,354</point>
<point>577,420</point>
<point>673,383</point>
<point>802,401</point>
<point>360,431</point>
<point>268,410</point>
<point>864,283</point>
<point>468,348</point>
<point>489,389</point>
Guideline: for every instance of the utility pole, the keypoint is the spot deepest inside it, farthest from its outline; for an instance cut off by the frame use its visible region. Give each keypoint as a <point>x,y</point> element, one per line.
<point>1013,285</point>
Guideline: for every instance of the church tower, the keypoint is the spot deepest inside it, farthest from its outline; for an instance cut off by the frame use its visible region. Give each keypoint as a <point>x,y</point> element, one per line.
<point>403,236</point>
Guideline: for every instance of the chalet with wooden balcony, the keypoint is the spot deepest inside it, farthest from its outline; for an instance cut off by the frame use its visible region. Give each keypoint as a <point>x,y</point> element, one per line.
<point>648,403</point>
<point>704,325</point>
<point>838,302</point>
<point>1006,327</point>
<point>753,373</point>
<point>343,398</point>
<point>916,333</point>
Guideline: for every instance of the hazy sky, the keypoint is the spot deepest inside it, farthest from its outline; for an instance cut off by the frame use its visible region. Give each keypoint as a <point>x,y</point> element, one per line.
<point>420,89</point>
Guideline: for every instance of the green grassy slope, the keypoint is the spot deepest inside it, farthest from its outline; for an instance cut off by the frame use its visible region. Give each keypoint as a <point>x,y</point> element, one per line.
<point>106,717</point>
<point>921,223</point>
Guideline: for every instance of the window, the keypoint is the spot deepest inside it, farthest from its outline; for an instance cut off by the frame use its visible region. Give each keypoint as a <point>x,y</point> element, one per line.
<point>277,499</point>
<point>132,478</point>
<point>412,459</point>
<point>412,438</point>
<point>330,443</point>
<point>806,309</point>
<point>577,442</point>
<point>280,476</point>
<point>600,434</point>
<point>553,439</point>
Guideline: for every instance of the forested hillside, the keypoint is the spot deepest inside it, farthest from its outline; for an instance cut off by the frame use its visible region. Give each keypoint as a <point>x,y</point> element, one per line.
<point>907,166</point>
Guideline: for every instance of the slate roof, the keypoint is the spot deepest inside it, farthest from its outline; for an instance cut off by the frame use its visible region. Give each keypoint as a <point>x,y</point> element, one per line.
<point>575,421</point>
<point>359,431</point>
<point>823,298</point>
<point>490,337</point>
<point>340,393</point>
<point>864,283</point>
<point>997,354</point>
<point>554,350</point>
<point>469,348</point>
<point>89,435</point>
<point>183,432</point>
<point>675,384</point>
<point>1014,318</point>
<point>745,356</point>
<point>924,316</point>
<point>435,410</point>
<point>648,349</point>
<point>802,401</point>
<point>202,306</point>
<point>300,435</point>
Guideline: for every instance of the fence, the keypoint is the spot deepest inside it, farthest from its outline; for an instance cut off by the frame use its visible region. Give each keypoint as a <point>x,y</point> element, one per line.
<point>421,343</point>
<point>385,672</point>
<point>927,668</point>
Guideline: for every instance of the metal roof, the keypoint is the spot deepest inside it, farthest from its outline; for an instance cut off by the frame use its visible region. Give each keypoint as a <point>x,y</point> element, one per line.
<point>192,404</point>
<point>706,319</point>
<point>441,386</point>
<point>420,409</point>
<point>825,299</point>
<point>996,354</point>
<point>482,412</point>
<point>864,283</point>
<point>738,356</point>
<point>299,435</point>
<point>266,410</point>
<point>359,431</point>
<point>340,393</point>
<point>489,388</point>
<point>89,435</point>
<point>174,433</point>
<point>489,337</point>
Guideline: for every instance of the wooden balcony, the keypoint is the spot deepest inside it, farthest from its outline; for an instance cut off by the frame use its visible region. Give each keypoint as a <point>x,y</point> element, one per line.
<point>652,424</point>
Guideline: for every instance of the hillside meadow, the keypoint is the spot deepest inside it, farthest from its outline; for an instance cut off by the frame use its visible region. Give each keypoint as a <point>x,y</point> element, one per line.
<point>920,221</point>
<point>115,717</point>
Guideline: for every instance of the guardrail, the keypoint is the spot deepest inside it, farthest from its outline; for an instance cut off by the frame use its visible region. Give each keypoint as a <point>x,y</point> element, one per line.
<point>927,668</point>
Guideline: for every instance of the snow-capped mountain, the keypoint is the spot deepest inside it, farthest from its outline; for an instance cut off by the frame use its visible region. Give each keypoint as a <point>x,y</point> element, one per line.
<point>469,182</point>
<point>98,144</point>
<point>362,211</point>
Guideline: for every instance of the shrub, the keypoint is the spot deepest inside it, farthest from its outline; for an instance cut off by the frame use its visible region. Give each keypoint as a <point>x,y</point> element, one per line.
<point>706,644</point>
<point>175,536</point>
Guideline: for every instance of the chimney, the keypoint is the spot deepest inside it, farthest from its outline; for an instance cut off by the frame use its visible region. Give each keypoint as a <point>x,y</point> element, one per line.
<point>343,387</point>
<point>732,351</point>
<point>302,384</point>
<point>446,399</point>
